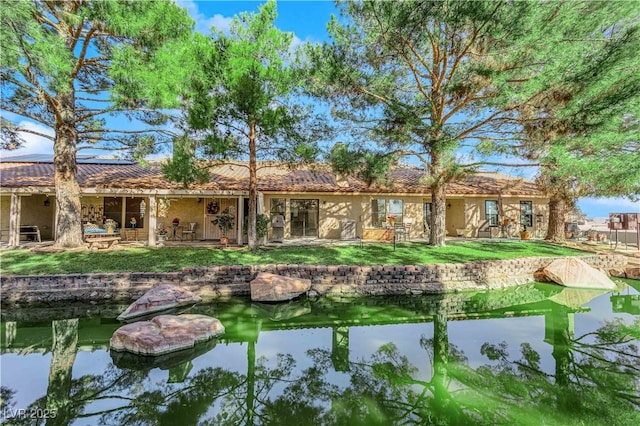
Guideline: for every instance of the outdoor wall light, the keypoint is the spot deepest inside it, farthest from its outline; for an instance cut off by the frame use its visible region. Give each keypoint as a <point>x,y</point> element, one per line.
<point>449,205</point>
<point>47,203</point>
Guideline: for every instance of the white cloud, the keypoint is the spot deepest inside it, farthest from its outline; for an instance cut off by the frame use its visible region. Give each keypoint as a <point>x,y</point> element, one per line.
<point>34,144</point>
<point>204,23</point>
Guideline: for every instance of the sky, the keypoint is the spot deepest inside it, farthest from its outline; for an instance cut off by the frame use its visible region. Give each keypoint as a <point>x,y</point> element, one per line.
<point>308,21</point>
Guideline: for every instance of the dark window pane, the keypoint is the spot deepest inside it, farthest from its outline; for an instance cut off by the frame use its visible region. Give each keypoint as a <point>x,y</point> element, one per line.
<point>133,213</point>
<point>113,209</point>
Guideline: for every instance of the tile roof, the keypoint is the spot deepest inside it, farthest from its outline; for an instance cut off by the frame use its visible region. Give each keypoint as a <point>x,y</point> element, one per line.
<point>271,178</point>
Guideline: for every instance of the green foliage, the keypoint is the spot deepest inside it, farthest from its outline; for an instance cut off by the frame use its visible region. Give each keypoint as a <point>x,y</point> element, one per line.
<point>244,101</point>
<point>584,124</point>
<point>250,78</point>
<point>424,80</point>
<point>262,225</point>
<point>111,57</point>
<point>71,65</point>
<point>182,167</point>
<point>176,258</point>
<point>372,167</point>
<point>225,222</point>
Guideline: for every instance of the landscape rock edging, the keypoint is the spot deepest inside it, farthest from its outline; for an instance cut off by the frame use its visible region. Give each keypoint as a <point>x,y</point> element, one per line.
<point>233,280</point>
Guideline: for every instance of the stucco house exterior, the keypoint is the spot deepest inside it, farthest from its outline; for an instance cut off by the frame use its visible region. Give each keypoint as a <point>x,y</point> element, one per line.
<point>312,201</point>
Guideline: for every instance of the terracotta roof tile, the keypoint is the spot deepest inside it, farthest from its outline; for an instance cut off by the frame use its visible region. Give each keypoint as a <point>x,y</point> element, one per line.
<point>271,178</point>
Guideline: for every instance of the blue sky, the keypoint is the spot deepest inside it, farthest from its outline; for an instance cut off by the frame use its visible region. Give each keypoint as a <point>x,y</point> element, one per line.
<point>308,21</point>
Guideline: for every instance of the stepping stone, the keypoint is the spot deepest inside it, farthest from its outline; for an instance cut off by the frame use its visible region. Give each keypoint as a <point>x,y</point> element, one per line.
<point>165,333</point>
<point>158,299</point>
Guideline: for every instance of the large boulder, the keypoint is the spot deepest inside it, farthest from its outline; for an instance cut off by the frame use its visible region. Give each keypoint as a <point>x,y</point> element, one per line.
<point>268,287</point>
<point>632,272</point>
<point>160,298</point>
<point>165,333</point>
<point>574,272</point>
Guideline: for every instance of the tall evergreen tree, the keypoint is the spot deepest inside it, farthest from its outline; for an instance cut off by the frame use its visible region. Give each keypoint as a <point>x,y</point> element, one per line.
<point>69,65</point>
<point>583,127</point>
<point>243,105</point>
<point>434,80</point>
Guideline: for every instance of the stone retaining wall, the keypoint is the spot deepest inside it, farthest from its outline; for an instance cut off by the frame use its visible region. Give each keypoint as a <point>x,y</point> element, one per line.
<point>225,281</point>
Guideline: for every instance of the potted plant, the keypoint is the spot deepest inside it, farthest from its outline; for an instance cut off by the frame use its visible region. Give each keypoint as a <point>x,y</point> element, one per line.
<point>161,232</point>
<point>110,226</point>
<point>225,223</point>
<point>392,220</point>
<point>524,234</point>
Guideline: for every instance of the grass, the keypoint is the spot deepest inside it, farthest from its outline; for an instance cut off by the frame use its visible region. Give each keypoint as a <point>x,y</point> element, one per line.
<point>24,262</point>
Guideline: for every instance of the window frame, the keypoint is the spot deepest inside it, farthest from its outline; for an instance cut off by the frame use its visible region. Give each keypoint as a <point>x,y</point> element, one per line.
<point>491,218</point>
<point>379,218</point>
<point>526,213</point>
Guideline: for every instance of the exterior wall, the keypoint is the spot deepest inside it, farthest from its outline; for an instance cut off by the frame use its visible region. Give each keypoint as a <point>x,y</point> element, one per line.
<point>335,208</point>
<point>5,207</point>
<point>32,212</point>
<point>475,214</point>
<point>225,281</point>
<point>187,210</point>
<point>455,216</point>
<point>463,212</point>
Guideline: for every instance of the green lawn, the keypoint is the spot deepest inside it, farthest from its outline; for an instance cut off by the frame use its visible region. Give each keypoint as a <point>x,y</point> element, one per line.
<point>176,258</point>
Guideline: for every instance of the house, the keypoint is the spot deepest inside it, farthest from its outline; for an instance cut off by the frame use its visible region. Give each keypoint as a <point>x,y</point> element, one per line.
<point>312,201</point>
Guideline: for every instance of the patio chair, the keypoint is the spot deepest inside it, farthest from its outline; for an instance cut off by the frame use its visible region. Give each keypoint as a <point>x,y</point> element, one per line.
<point>401,231</point>
<point>190,231</point>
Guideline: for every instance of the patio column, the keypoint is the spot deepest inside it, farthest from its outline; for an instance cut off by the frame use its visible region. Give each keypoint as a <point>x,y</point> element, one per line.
<point>240,220</point>
<point>153,220</point>
<point>14,220</point>
<point>260,203</point>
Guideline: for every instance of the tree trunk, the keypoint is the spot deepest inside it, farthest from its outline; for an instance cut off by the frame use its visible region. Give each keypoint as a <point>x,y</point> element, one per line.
<point>65,346</point>
<point>438,215</point>
<point>555,231</point>
<point>68,208</point>
<point>441,397</point>
<point>253,190</point>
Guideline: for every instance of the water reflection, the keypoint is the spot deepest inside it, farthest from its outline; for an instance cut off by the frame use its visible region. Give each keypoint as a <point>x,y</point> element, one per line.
<point>500,357</point>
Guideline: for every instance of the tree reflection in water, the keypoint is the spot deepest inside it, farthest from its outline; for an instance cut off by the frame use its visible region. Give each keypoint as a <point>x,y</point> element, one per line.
<point>595,381</point>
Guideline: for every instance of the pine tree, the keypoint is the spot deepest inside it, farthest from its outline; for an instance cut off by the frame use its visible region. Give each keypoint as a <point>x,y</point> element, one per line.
<point>69,65</point>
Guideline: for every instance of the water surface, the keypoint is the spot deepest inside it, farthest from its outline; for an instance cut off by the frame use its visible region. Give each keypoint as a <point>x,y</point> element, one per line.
<point>530,355</point>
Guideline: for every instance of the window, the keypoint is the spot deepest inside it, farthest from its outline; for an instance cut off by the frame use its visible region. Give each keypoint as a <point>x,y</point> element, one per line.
<point>113,209</point>
<point>426,215</point>
<point>278,206</point>
<point>491,212</point>
<point>526,213</point>
<point>378,212</point>
<point>381,209</point>
<point>133,211</point>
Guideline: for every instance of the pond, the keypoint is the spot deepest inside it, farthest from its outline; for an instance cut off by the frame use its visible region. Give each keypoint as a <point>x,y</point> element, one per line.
<point>530,355</point>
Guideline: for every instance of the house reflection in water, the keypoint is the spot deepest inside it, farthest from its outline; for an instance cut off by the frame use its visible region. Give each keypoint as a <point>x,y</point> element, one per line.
<point>273,385</point>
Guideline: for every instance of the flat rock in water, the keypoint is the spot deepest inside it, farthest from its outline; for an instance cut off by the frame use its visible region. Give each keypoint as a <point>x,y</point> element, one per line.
<point>574,272</point>
<point>268,287</point>
<point>165,333</point>
<point>158,299</point>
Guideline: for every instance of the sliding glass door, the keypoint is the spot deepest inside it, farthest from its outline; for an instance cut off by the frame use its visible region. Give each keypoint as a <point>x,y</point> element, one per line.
<point>304,218</point>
